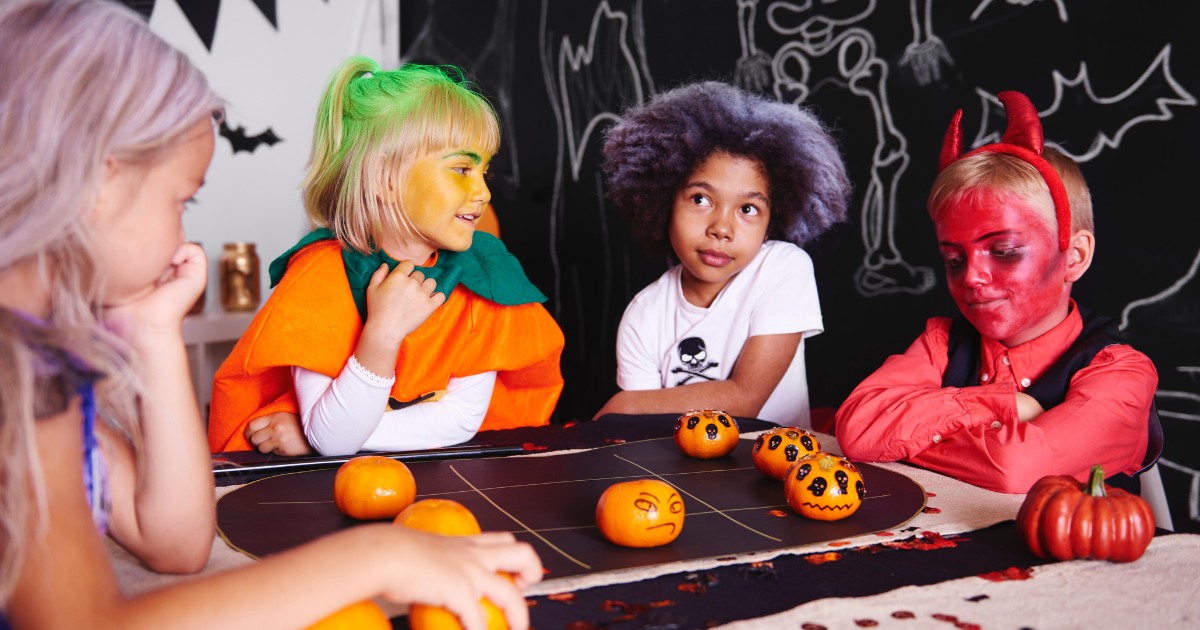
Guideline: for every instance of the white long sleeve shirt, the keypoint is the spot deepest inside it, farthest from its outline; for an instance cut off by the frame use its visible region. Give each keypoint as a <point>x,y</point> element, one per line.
<point>350,413</point>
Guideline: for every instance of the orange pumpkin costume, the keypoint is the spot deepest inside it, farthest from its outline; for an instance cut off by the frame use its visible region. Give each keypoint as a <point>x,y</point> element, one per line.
<point>312,321</point>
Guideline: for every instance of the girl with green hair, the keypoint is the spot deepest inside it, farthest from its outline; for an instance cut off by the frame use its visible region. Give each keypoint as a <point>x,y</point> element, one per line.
<point>396,325</point>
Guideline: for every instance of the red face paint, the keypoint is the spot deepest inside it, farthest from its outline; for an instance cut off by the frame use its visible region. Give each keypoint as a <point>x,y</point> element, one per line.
<point>1003,266</point>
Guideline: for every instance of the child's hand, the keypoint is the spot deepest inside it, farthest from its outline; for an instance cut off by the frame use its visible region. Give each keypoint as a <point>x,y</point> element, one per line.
<point>278,433</point>
<point>455,572</point>
<point>163,307</point>
<point>1028,408</point>
<point>397,304</point>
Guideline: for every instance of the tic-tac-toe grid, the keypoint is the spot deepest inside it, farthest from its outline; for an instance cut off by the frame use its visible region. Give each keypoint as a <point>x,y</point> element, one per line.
<point>550,502</point>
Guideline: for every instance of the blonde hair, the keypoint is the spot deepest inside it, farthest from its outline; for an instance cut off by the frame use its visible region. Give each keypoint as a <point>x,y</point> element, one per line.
<point>1002,173</point>
<point>80,80</point>
<point>371,125</point>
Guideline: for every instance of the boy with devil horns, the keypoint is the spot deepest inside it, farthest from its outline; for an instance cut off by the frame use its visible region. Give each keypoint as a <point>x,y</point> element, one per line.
<point>1026,383</point>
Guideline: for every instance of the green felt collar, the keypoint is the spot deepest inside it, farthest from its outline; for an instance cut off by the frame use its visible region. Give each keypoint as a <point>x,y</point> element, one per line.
<point>486,268</point>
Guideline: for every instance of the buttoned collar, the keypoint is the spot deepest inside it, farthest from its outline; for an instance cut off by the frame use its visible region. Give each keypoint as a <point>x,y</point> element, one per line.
<point>1026,363</point>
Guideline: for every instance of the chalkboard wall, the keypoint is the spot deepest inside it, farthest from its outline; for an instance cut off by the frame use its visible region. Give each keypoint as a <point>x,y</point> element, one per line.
<point>1116,83</point>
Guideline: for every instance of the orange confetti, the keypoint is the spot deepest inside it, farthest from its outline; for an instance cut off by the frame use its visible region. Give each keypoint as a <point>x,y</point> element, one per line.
<point>840,543</point>
<point>777,513</point>
<point>563,597</point>
<point>930,494</point>
<point>1011,573</point>
<point>822,558</point>
<point>884,534</point>
<point>663,603</point>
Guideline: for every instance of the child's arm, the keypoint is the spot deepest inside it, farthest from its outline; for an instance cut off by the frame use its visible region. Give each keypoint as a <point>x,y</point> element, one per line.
<point>981,434</point>
<point>760,366</point>
<point>291,590</point>
<point>163,511</point>
<point>344,415</point>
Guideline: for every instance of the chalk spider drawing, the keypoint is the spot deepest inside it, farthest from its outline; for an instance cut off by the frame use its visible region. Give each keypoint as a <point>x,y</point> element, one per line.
<point>830,34</point>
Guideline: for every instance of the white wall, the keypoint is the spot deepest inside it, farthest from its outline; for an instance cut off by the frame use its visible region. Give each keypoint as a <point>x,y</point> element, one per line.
<point>271,79</point>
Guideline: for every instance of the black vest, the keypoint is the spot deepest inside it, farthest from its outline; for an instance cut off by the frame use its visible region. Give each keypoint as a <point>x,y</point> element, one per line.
<point>1099,332</point>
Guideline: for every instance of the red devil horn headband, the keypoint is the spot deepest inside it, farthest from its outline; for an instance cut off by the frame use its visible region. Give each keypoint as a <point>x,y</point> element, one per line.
<point>1022,140</point>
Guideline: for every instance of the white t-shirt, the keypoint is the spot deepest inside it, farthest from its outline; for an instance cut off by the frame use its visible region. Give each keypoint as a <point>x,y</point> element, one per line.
<point>665,341</point>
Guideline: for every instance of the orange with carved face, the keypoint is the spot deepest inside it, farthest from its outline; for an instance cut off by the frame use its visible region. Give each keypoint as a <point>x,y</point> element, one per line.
<point>706,434</point>
<point>777,449</point>
<point>642,513</point>
<point>824,487</point>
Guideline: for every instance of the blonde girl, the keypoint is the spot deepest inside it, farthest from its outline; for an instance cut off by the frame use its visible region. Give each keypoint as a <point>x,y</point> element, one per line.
<point>105,133</point>
<point>395,325</point>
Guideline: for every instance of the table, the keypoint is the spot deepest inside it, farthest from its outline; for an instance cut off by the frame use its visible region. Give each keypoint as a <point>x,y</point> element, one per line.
<point>869,581</point>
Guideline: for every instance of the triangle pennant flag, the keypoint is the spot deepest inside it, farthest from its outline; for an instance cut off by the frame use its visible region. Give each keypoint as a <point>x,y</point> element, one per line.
<point>202,14</point>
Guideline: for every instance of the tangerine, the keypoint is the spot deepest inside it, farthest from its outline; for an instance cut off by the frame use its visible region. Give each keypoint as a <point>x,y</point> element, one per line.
<point>825,487</point>
<point>777,449</point>
<point>448,518</point>
<point>439,516</point>
<point>373,487</point>
<point>641,513</point>
<point>364,615</point>
<point>706,434</point>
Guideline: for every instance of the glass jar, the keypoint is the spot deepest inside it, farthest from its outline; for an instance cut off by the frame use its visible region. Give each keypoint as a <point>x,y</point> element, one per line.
<point>239,277</point>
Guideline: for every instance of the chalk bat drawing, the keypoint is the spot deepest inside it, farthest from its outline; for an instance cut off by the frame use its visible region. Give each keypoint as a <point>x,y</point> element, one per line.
<point>856,66</point>
<point>493,65</point>
<point>589,85</point>
<point>925,55</point>
<point>1156,80</point>
<point>241,142</point>
<point>1062,8</point>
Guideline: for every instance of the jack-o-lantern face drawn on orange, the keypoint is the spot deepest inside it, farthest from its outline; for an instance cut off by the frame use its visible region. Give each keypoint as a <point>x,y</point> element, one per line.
<point>641,513</point>
<point>824,487</point>
<point>777,449</point>
<point>706,434</point>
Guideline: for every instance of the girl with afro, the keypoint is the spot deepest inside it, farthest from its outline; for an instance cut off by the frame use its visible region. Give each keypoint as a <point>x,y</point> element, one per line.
<point>731,186</point>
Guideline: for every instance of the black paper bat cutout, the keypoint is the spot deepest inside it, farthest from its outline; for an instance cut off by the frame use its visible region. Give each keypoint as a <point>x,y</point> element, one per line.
<point>1082,124</point>
<point>241,142</point>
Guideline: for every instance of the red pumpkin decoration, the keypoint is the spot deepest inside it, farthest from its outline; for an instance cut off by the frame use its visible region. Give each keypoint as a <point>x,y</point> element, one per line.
<point>777,449</point>
<point>706,434</point>
<point>1064,519</point>
<point>824,487</point>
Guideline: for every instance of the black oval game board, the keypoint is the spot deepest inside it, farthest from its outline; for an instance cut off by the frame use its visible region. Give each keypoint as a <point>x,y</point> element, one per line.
<point>550,502</point>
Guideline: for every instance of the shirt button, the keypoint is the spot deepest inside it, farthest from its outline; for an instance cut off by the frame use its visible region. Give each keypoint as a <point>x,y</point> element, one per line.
<point>1005,360</point>
<point>984,378</point>
<point>1025,382</point>
<point>937,438</point>
<point>995,424</point>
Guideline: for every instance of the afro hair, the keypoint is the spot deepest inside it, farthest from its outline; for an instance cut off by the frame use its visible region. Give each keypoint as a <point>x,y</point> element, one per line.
<point>648,155</point>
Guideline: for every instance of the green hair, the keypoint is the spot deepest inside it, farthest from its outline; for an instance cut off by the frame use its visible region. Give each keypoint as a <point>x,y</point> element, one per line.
<point>371,125</point>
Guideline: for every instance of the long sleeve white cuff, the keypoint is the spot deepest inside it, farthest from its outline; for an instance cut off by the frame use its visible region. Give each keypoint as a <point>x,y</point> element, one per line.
<point>345,415</point>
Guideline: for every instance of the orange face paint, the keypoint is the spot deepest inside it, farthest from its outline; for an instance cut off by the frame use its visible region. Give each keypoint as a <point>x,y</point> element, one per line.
<point>445,196</point>
<point>1004,267</point>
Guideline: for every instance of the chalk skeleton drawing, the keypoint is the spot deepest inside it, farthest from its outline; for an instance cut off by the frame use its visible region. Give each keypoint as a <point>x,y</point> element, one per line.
<point>1157,77</point>
<point>1062,8</point>
<point>925,55</point>
<point>857,67</point>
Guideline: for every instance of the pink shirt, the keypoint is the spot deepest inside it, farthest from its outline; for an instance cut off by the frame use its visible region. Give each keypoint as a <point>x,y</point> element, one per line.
<point>902,412</point>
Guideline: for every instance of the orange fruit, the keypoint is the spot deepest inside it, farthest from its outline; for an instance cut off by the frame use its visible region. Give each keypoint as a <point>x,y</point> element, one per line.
<point>422,617</point>
<point>373,487</point>
<point>706,434</point>
<point>448,518</point>
<point>361,616</point>
<point>824,487</point>
<point>777,449</point>
<point>641,513</point>
<point>439,516</point>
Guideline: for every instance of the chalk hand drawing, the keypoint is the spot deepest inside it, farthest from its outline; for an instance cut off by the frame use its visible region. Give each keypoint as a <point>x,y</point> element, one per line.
<point>1157,88</point>
<point>1062,8</point>
<point>925,56</point>
<point>753,69</point>
<point>493,65</point>
<point>588,85</point>
<point>849,59</point>
<point>596,82</point>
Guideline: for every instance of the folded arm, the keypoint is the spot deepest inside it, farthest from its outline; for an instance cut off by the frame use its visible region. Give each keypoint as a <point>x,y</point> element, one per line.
<point>345,415</point>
